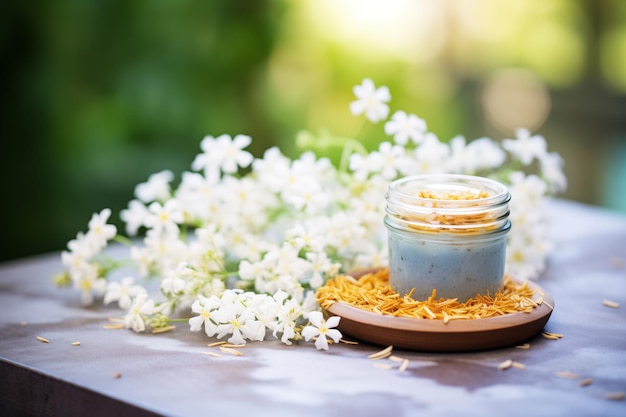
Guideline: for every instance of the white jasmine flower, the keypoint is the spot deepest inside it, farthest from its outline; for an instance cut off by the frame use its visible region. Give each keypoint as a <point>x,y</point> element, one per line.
<point>371,101</point>
<point>485,154</point>
<point>344,231</point>
<point>320,266</point>
<point>204,307</point>
<point>215,286</point>
<point>251,271</point>
<point>272,170</point>
<point>79,254</point>
<point>360,167</point>
<point>142,259</point>
<point>526,147</point>
<point>134,216</point>
<point>99,231</point>
<point>525,256</point>
<point>246,245</point>
<point>308,196</point>
<point>142,307</point>
<point>208,161</point>
<point>308,302</point>
<point>246,201</point>
<point>368,202</point>
<point>266,311</point>
<point>156,188</point>
<point>318,168</point>
<point>304,172</point>
<point>239,322</point>
<point>233,155</point>
<point>371,256</point>
<point>280,270</point>
<point>389,160</point>
<point>172,285</point>
<point>123,292</point>
<point>288,315</point>
<point>165,251</point>
<point>198,197</point>
<point>526,189</point>
<point>552,171</point>
<point>287,261</point>
<point>431,156</point>
<point>479,154</point>
<point>223,153</point>
<point>165,217</point>
<point>310,237</point>
<point>321,329</point>
<point>80,245</point>
<point>404,126</point>
<point>88,280</point>
<point>460,160</point>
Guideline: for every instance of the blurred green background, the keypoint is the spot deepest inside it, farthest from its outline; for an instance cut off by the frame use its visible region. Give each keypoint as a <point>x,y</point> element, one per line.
<point>98,95</point>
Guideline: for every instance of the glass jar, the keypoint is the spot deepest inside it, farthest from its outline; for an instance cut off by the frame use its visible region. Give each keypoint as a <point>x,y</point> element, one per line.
<point>448,233</point>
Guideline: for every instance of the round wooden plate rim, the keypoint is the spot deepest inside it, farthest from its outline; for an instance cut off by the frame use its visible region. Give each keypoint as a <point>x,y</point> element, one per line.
<point>409,324</point>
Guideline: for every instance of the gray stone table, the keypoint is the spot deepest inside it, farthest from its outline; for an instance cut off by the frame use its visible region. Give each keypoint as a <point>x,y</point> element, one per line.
<point>167,374</point>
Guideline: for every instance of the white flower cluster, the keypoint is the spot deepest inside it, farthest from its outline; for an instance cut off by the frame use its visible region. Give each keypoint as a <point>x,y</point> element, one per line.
<point>246,252</point>
<point>85,271</point>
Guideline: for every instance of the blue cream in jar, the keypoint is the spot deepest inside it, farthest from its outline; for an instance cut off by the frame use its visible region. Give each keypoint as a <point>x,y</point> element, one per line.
<point>447,233</point>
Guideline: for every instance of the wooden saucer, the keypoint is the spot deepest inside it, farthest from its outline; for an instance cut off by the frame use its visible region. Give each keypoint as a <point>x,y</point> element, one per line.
<point>437,336</point>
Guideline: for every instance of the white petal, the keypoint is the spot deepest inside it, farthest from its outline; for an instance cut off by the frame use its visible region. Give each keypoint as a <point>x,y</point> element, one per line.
<point>310,332</point>
<point>333,322</point>
<point>321,343</point>
<point>241,141</point>
<point>195,323</point>
<point>334,334</point>
<point>237,338</point>
<point>357,107</point>
<point>316,318</point>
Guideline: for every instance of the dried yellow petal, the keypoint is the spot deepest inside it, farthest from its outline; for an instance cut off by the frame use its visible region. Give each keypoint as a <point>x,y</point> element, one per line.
<point>518,365</point>
<point>215,355</point>
<point>618,263</point>
<point>615,396</point>
<point>404,365</point>
<point>117,375</point>
<point>506,364</point>
<point>230,351</point>
<point>75,343</point>
<point>524,346</point>
<point>163,329</point>
<point>116,320</point>
<point>585,382</point>
<point>221,342</point>
<point>373,293</point>
<point>43,339</point>
<point>609,303</point>
<point>386,352</point>
<point>566,374</point>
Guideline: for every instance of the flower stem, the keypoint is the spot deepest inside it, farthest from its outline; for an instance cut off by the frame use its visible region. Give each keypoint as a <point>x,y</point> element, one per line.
<point>350,147</point>
<point>358,130</point>
<point>123,240</point>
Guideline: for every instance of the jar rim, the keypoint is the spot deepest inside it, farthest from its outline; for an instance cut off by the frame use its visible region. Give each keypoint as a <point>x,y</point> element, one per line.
<point>448,182</point>
<point>435,233</point>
